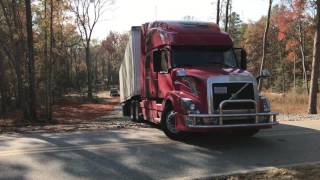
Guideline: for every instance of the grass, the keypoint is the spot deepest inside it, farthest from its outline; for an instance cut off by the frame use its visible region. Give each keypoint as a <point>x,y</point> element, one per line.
<point>290,102</point>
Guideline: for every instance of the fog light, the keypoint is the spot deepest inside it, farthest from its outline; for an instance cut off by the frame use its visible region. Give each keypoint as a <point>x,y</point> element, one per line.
<point>206,120</point>
<point>264,119</point>
<point>210,121</point>
<point>190,120</point>
<point>199,121</point>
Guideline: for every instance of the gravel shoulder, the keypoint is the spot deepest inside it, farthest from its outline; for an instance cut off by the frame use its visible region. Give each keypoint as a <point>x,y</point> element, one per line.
<point>297,117</point>
<point>306,172</point>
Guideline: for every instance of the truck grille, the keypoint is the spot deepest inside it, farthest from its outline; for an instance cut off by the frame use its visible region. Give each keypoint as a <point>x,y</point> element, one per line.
<point>223,91</point>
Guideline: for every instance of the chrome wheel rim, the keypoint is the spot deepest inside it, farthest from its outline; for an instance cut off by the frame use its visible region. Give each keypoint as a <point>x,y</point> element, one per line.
<point>171,122</point>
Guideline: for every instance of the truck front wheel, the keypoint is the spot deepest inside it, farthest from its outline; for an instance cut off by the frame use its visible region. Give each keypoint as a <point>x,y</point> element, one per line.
<point>168,125</point>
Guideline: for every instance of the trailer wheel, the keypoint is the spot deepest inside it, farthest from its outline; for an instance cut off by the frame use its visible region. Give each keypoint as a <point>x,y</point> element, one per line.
<point>126,109</point>
<point>133,111</point>
<point>168,125</point>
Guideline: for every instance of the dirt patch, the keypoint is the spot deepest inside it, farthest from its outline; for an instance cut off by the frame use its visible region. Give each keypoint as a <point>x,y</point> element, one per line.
<point>74,113</point>
<point>101,124</point>
<point>306,172</point>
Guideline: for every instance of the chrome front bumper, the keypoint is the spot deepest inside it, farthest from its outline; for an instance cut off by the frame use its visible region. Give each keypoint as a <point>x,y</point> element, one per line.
<point>217,120</point>
<point>191,120</point>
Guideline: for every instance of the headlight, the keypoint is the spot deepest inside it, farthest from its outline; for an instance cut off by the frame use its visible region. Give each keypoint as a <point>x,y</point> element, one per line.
<point>265,104</point>
<point>188,106</point>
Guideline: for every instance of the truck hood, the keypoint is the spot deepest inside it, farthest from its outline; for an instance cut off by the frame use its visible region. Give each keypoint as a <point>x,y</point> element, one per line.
<point>205,72</point>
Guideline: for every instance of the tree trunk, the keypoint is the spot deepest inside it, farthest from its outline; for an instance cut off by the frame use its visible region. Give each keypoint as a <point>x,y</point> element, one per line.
<point>48,102</point>
<point>294,74</point>
<point>302,50</point>
<point>31,114</point>
<point>2,87</point>
<point>104,75</point>
<point>264,45</point>
<point>17,67</point>
<point>50,63</point>
<point>96,73</point>
<point>20,89</point>
<point>227,16</point>
<point>89,69</point>
<point>315,65</point>
<point>109,73</point>
<point>218,12</point>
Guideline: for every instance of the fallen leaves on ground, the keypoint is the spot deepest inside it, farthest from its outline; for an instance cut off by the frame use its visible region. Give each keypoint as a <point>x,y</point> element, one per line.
<point>305,172</point>
<point>74,113</point>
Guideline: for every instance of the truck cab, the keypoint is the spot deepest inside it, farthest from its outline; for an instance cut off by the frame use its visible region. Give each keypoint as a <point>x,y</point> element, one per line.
<point>192,79</point>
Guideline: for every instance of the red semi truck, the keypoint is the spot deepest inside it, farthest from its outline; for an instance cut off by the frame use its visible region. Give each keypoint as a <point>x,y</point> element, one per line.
<point>188,77</point>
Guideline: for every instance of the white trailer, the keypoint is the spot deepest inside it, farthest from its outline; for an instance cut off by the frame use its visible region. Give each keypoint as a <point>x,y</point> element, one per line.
<point>129,73</point>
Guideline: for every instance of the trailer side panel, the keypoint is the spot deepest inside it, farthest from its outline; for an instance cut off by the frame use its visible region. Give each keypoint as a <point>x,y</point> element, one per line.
<point>129,73</point>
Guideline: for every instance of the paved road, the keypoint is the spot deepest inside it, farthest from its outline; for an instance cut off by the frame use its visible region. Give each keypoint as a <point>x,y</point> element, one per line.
<point>145,153</point>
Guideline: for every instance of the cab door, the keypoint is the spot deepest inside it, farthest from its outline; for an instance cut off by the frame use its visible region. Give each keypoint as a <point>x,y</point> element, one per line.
<point>151,75</point>
<point>162,66</point>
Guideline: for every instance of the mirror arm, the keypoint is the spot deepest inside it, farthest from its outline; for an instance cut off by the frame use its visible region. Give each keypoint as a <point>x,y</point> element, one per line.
<point>258,78</point>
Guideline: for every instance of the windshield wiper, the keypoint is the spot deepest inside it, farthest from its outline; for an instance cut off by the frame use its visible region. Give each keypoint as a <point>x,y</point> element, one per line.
<point>185,65</point>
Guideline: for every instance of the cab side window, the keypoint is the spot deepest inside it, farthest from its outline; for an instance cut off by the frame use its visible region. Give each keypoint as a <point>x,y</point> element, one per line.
<point>164,61</point>
<point>156,60</point>
<point>160,61</point>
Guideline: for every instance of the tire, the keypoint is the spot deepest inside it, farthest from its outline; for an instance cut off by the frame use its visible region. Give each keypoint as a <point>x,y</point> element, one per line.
<point>168,125</point>
<point>126,109</point>
<point>139,115</point>
<point>246,132</point>
<point>133,112</point>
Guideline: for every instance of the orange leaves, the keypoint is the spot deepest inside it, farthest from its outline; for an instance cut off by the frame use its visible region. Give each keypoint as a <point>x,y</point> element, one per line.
<point>283,25</point>
<point>70,111</point>
<point>281,35</point>
<point>291,56</point>
<point>291,44</point>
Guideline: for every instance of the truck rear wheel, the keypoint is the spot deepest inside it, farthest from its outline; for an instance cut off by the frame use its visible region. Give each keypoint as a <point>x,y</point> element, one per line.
<point>126,109</point>
<point>134,112</point>
<point>168,125</point>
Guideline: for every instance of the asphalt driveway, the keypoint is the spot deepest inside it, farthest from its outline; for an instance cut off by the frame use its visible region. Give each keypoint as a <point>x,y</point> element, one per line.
<point>146,153</point>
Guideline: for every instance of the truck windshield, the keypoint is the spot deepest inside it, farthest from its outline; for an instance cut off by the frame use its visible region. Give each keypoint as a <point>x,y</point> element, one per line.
<point>203,56</point>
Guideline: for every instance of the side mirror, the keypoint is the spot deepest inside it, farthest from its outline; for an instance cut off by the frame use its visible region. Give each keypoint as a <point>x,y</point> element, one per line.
<point>241,56</point>
<point>264,75</point>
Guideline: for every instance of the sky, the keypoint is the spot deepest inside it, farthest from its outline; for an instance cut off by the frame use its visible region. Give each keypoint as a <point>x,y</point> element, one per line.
<point>126,13</point>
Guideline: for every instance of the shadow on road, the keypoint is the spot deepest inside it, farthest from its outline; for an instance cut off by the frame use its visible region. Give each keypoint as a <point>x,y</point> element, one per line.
<point>200,155</point>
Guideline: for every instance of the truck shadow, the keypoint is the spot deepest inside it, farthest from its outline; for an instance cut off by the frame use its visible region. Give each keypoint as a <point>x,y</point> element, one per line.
<point>282,145</point>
